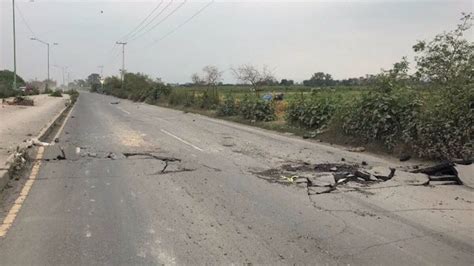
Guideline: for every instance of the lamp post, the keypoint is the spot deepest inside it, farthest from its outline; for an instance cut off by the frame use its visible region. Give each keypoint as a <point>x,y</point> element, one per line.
<point>14,47</point>
<point>47,44</point>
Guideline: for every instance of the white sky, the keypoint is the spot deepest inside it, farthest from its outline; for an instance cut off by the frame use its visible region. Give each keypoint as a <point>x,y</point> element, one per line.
<point>295,39</point>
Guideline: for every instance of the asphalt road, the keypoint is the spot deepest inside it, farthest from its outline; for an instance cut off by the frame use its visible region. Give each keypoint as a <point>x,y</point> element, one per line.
<point>111,203</point>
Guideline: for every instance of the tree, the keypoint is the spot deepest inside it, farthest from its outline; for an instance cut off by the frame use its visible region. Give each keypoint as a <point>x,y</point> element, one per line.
<point>212,75</point>
<point>93,78</point>
<point>287,82</point>
<point>448,57</point>
<point>249,74</point>
<point>6,83</point>
<point>196,79</point>
<point>80,82</point>
<point>320,79</point>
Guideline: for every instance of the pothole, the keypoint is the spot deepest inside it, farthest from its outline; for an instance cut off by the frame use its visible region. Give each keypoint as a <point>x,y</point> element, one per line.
<point>326,177</point>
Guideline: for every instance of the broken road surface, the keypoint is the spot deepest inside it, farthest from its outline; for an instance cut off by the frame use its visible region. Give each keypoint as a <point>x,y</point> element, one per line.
<point>130,183</point>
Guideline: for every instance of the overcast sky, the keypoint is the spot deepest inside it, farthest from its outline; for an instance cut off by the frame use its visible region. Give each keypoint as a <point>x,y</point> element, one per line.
<point>294,39</point>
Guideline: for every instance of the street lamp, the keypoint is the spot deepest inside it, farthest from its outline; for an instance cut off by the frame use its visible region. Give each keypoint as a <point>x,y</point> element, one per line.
<point>14,46</point>
<point>47,44</point>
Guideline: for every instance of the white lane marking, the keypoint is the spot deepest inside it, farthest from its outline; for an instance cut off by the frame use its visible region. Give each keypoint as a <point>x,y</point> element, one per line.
<point>182,140</point>
<point>123,110</point>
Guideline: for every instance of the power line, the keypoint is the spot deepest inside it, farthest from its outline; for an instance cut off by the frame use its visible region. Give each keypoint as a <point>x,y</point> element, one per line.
<point>182,24</point>
<point>143,21</point>
<point>151,21</point>
<point>161,21</point>
<point>24,21</point>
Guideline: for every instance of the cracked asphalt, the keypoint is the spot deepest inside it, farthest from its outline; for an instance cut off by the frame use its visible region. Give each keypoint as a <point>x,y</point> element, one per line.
<point>148,185</point>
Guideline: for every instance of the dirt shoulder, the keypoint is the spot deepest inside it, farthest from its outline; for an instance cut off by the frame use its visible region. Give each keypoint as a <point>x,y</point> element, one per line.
<point>22,122</point>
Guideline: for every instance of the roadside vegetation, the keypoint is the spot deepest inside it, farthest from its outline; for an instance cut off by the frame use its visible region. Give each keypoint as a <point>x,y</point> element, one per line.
<point>424,110</point>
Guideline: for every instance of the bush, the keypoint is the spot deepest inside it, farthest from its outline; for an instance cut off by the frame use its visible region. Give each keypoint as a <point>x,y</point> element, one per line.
<point>95,87</point>
<point>47,90</point>
<point>56,93</point>
<point>311,113</point>
<point>138,87</point>
<point>209,100</point>
<point>254,108</point>
<point>389,117</point>
<point>446,125</point>
<point>180,97</point>
<point>23,100</point>
<point>228,107</point>
<point>73,95</point>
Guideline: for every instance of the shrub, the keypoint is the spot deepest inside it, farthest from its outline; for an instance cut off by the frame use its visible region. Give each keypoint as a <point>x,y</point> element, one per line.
<point>254,108</point>
<point>446,125</point>
<point>23,100</point>
<point>56,93</point>
<point>389,117</point>
<point>209,100</point>
<point>182,97</point>
<point>95,87</point>
<point>47,90</point>
<point>73,95</point>
<point>311,113</point>
<point>228,107</point>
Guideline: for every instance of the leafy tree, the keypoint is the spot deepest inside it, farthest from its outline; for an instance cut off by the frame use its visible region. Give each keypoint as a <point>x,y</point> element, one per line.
<point>448,57</point>
<point>287,82</point>
<point>6,79</point>
<point>6,83</point>
<point>320,79</point>
<point>93,78</point>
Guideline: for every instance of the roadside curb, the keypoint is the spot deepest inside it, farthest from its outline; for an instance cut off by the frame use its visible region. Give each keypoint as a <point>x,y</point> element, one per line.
<point>5,172</point>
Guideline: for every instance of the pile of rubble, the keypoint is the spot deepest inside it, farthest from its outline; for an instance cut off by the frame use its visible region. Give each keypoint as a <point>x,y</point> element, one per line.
<point>329,177</point>
<point>460,172</point>
<point>20,100</point>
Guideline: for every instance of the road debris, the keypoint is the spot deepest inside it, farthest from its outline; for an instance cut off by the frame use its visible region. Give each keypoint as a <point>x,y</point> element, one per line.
<point>460,173</point>
<point>465,173</point>
<point>332,177</point>
<point>21,100</point>
<point>116,102</point>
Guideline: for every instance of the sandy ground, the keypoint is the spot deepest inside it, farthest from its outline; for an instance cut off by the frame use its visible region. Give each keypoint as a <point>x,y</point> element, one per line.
<point>18,123</point>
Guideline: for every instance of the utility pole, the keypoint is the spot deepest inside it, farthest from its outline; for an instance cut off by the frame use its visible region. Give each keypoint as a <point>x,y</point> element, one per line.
<point>14,47</point>
<point>63,68</point>
<point>101,70</point>
<point>101,77</point>
<point>47,44</point>
<point>123,61</point>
